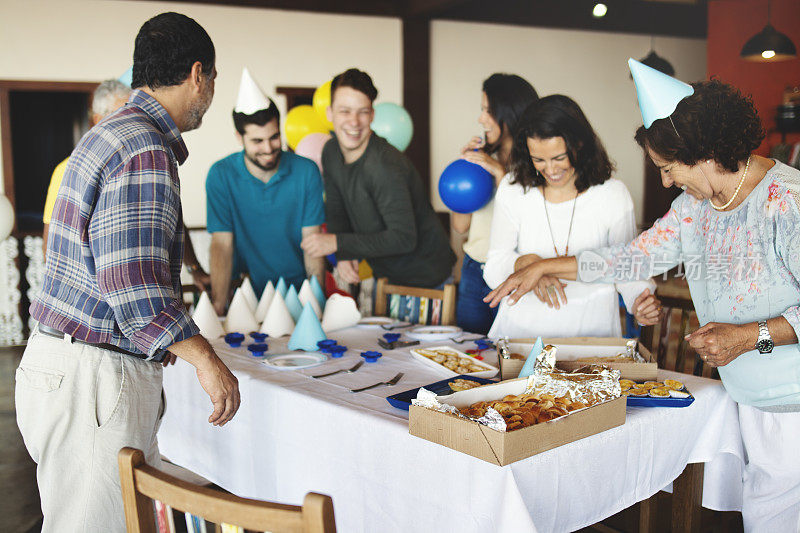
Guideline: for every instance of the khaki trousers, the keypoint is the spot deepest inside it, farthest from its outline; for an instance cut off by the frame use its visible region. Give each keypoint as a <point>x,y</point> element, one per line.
<point>77,405</point>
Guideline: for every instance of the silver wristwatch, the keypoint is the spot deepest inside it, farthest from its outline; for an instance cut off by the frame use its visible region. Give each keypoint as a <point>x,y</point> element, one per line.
<point>764,344</point>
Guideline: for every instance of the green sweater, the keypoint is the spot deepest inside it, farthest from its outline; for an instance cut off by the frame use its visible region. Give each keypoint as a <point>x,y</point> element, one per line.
<point>379,211</point>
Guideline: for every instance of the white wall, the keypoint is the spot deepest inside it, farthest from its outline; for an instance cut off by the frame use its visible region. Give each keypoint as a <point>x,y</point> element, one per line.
<point>91,40</point>
<point>590,67</point>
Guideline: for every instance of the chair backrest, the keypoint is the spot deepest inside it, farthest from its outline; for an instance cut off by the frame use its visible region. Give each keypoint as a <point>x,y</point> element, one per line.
<point>666,339</point>
<point>416,305</point>
<point>141,484</point>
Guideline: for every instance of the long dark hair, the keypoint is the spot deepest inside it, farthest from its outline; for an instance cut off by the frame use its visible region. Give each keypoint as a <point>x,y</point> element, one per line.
<point>508,95</point>
<point>559,116</point>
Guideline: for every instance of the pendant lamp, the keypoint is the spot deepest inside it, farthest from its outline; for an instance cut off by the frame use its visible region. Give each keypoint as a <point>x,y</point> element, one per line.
<point>769,44</point>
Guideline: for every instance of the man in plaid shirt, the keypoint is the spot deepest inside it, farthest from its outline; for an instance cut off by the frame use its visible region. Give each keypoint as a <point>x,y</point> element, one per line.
<point>110,312</point>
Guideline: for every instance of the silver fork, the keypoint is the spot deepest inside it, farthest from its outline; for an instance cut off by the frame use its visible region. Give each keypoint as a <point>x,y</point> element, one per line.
<point>347,370</point>
<point>389,383</point>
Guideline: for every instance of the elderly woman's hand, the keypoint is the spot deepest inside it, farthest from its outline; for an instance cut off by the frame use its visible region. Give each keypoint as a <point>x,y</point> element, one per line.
<point>647,308</point>
<point>517,285</point>
<point>718,344</point>
<point>549,289</point>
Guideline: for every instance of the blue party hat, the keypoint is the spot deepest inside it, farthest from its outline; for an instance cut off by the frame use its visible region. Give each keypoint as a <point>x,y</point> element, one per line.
<point>658,93</point>
<point>319,294</point>
<point>293,303</point>
<point>281,287</point>
<point>530,362</point>
<point>308,331</point>
<point>127,77</point>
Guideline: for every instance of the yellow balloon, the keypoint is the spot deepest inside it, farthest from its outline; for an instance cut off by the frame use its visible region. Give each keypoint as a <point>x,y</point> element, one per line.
<point>321,102</point>
<point>300,121</point>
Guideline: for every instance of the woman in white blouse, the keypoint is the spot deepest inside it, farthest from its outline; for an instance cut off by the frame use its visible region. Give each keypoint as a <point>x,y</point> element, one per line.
<point>560,199</point>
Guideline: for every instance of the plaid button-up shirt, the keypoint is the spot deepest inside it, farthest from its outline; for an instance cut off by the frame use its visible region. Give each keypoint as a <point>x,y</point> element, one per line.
<point>116,236</point>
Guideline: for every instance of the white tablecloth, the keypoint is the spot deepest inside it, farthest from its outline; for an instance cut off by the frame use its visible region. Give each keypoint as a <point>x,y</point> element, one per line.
<point>295,434</point>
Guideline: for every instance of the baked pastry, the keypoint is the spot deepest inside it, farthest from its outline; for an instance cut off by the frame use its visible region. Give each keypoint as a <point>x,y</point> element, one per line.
<point>452,360</point>
<point>525,410</point>
<point>659,392</point>
<point>463,384</point>
<point>673,384</point>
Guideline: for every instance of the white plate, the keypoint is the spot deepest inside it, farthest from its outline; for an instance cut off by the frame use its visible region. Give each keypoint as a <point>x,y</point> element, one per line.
<point>295,360</point>
<point>433,333</point>
<point>375,322</point>
<point>490,371</point>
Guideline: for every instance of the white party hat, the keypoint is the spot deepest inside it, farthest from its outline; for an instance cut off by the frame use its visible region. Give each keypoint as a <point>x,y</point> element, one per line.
<point>340,312</point>
<point>306,295</point>
<point>293,303</point>
<point>308,331</point>
<point>251,98</point>
<point>278,321</point>
<point>263,303</point>
<point>240,317</point>
<point>249,294</point>
<point>206,318</point>
<point>658,93</point>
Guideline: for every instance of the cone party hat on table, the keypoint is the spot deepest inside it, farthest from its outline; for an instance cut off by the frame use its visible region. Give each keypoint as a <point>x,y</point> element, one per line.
<point>280,288</point>
<point>249,294</point>
<point>263,303</point>
<point>251,98</point>
<point>340,312</point>
<point>240,317</point>
<point>530,362</point>
<point>278,321</point>
<point>316,288</point>
<point>307,296</point>
<point>658,93</point>
<point>206,318</point>
<point>308,331</point>
<point>293,303</point>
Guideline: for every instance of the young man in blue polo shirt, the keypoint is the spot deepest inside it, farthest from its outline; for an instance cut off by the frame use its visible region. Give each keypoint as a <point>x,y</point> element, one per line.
<point>262,202</point>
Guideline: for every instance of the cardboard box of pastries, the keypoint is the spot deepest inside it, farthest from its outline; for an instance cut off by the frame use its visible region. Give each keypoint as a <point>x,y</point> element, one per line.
<point>574,352</point>
<point>502,448</point>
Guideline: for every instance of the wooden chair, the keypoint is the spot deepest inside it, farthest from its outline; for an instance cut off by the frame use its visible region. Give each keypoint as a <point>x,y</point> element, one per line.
<point>441,304</point>
<point>141,484</point>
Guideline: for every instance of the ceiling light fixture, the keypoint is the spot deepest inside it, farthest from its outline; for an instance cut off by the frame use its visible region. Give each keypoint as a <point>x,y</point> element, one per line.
<point>599,11</point>
<point>769,44</point>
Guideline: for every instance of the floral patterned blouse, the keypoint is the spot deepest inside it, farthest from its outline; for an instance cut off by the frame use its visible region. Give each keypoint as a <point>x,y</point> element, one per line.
<point>742,266</point>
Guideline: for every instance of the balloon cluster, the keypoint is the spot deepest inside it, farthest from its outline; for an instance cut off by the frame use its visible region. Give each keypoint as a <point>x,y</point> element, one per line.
<point>308,128</point>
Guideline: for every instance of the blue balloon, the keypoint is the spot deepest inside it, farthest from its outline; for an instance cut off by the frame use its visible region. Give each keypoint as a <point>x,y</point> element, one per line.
<point>465,187</point>
<point>393,123</point>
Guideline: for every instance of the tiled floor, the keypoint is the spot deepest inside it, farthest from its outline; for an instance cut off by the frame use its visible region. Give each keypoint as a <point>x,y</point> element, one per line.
<point>19,498</point>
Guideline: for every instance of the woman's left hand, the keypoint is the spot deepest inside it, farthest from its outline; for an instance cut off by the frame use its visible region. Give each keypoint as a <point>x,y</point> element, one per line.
<point>647,308</point>
<point>718,344</point>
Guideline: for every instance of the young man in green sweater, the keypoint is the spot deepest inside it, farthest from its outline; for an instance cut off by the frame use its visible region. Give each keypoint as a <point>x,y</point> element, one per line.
<point>375,203</point>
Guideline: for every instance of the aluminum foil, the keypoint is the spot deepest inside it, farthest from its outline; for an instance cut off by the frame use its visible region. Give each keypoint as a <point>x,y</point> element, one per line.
<point>503,351</point>
<point>590,384</point>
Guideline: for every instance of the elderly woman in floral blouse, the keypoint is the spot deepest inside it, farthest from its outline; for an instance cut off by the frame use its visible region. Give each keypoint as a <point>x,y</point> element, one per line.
<point>736,229</point>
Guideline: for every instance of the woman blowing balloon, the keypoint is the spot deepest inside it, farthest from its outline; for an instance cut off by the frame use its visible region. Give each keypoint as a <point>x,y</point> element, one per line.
<point>559,199</point>
<point>736,230</point>
<point>504,98</point>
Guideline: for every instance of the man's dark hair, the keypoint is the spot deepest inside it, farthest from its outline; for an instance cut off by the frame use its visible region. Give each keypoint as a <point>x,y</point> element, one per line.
<point>559,116</point>
<point>261,117</point>
<point>166,47</point>
<point>716,122</point>
<point>355,79</point>
<point>509,96</point>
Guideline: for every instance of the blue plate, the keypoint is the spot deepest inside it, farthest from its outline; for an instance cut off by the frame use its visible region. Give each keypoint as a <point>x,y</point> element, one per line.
<point>402,400</point>
<point>649,401</point>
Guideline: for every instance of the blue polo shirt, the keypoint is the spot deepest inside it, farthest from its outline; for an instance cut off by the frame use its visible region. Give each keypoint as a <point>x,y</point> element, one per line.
<point>265,218</point>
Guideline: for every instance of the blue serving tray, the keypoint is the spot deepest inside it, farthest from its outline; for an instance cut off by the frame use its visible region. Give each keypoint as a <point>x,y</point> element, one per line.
<point>402,400</point>
<point>649,401</point>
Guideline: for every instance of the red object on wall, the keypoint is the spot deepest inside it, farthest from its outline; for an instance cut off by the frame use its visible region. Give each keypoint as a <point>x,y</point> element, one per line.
<point>730,24</point>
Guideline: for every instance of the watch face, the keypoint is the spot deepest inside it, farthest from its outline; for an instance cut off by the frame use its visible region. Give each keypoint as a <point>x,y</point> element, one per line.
<point>765,346</point>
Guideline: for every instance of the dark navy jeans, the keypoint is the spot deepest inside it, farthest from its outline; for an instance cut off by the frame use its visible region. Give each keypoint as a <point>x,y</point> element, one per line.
<point>472,314</point>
